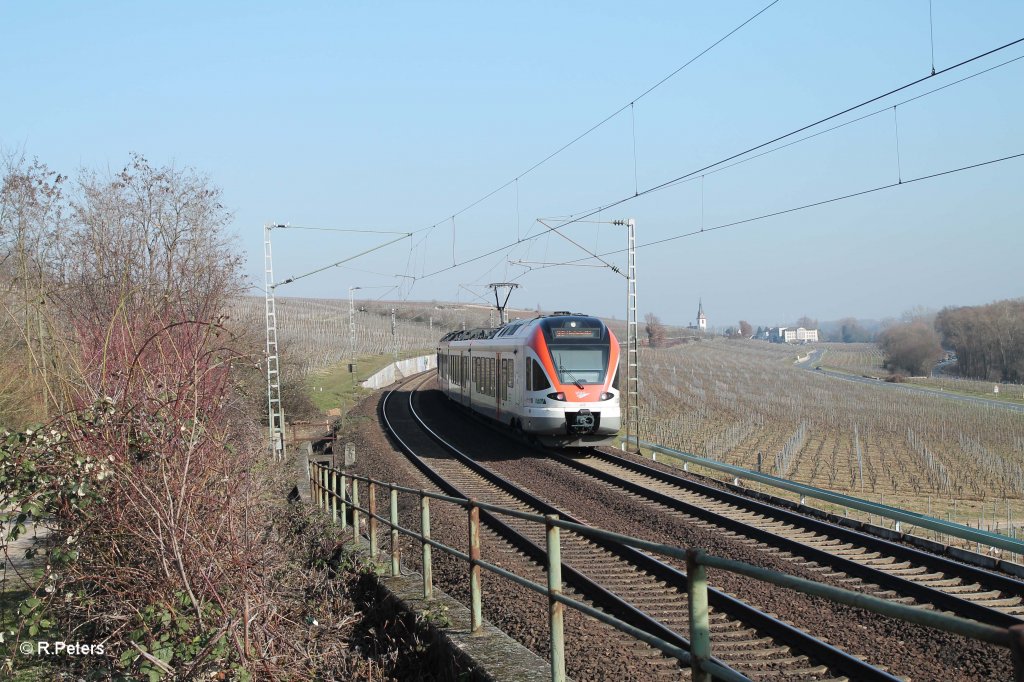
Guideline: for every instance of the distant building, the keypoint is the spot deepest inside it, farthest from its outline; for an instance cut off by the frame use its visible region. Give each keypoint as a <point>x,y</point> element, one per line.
<point>702,319</point>
<point>792,335</point>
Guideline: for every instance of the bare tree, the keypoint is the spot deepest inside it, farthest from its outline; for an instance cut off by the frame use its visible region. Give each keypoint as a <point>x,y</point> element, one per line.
<point>912,347</point>
<point>655,330</point>
<point>32,209</point>
<point>850,331</point>
<point>807,322</point>
<point>988,339</point>
<point>746,331</point>
<point>146,248</point>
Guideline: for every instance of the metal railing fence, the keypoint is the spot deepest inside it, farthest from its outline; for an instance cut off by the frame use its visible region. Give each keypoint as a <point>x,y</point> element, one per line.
<point>337,494</point>
<point>898,515</point>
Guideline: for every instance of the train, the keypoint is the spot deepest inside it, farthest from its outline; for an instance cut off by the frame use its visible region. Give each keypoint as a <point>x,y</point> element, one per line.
<point>552,379</point>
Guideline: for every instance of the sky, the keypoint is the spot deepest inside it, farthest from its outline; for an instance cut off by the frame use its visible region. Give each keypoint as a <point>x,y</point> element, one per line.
<point>432,118</point>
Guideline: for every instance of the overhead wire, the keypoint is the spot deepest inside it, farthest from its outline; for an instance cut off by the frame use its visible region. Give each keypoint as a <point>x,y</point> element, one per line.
<point>801,129</point>
<point>608,118</point>
<point>712,166</point>
<point>802,207</point>
<point>720,168</point>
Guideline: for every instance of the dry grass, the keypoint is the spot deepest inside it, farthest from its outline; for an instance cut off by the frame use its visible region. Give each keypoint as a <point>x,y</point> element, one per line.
<point>731,400</point>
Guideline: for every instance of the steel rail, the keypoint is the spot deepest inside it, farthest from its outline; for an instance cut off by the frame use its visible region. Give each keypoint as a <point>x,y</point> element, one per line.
<point>900,515</point>
<point>897,550</point>
<point>816,649</point>
<point>590,589</point>
<point>920,592</point>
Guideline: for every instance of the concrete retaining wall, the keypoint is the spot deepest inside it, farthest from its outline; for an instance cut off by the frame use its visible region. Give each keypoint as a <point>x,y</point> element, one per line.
<point>400,370</point>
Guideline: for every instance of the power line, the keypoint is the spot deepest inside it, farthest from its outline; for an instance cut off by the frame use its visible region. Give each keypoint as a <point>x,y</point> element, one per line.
<point>571,219</point>
<point>802,207</point>
<point>580,217</point>
<point>720,168</point>
<point>607,118</point>
<point>581,247</point>
<point>405,235</point>
<point>339,229</point>
<point>814,124</point>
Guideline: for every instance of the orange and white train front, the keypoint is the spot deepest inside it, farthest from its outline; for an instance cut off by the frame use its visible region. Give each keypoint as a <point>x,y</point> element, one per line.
<point>571,396</point>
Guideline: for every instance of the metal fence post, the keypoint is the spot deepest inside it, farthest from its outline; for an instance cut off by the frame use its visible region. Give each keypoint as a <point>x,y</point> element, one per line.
<point>314,481</point>
<point>344,504</point>
<point>700,633</point>
<point>395,556</point>
<point>1017,650</point>
<point>556,609</point>
<point>428,568</point>
<point>323,487</point>
<point>476,617</point>
<point>332,481</point>
<point>355,509</point>
<point>373,519</point>
<point>327,488</point>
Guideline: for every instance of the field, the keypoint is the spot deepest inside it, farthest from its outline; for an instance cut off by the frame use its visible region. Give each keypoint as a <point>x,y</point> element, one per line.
<point>314,340</point>
<point>733,400</point>
<point>737,401</point>
<point>316,330</point>
<point>855,358</point>
<point>866,359</point>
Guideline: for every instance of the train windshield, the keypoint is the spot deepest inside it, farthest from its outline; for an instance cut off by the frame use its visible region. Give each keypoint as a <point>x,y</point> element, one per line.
<point>579,348</point>
<point>580,365</point>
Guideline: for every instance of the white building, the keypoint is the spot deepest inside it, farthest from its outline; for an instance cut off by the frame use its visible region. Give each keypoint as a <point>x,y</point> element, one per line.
<point>791,335</point>
<point>702,319</point>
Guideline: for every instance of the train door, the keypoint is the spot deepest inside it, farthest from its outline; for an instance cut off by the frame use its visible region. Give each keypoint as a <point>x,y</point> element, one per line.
<point>466,378</point>
<point>515,385</point>
<point>499,378</point>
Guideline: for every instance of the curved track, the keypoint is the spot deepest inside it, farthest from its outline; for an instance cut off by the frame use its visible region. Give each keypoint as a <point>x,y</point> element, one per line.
<point>632,585</point>
<point>863,562</point>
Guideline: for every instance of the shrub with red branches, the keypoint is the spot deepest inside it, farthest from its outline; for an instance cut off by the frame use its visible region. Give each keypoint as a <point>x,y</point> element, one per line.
<point>161,521</point>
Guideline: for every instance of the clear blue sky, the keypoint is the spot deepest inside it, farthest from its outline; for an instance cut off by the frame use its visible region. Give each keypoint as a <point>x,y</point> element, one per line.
<point>397,115</point>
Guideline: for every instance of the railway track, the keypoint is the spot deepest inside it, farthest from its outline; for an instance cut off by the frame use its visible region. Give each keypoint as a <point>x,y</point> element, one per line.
<point>862,562</point>
<point>632,585</point>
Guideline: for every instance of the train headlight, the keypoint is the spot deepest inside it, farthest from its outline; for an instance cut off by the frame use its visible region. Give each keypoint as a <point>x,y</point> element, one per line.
<point>557,396</point>
<point>607,396</point>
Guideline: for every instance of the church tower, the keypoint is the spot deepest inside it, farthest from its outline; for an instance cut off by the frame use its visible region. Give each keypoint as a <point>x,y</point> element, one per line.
<point>702,319</point>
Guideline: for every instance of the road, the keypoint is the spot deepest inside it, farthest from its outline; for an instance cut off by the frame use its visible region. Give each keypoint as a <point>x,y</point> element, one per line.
<point>815,356</point>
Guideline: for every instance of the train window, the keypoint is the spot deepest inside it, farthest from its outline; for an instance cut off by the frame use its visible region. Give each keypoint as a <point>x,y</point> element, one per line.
<point>503,380</point>
<point>540,380</point>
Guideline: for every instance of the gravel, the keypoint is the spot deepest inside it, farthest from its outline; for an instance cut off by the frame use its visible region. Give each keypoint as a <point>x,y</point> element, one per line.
<point>595,651</point>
